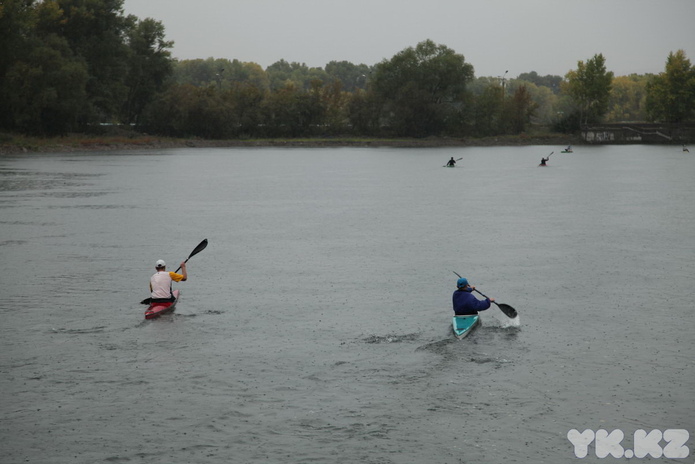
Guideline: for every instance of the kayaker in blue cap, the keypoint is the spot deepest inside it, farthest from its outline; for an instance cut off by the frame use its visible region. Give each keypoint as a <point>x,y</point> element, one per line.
<point>465,302</point>
<point>160,282</point>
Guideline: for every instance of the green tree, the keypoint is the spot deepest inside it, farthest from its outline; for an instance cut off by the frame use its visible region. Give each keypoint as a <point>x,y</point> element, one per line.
<point>17,30</point>
<point>671,94</point>
<point>351,76</point>
<point>190,111</point>
<point>149,66</point>
<point>628,99</point>
<point>549,81</point>
<point>68,63</point>
<point>293,112</point>
<point>518,110</point>
<point>335,104</point>
<point>479,85</point>
<point>543,99</point>
<point>246,100</point>
<point>42,81</point>
<point>168,113</point>
<point>95,31</point>
<point>364,112</point>
<point>281,73</point>
<point>199,72</point>
<point>48,88</point>
<point>589,86</point>
<point>501,110</point>
<point>486,117</point>
<point>422,88</point>
<point>256,76</point>
<point>220,72</point>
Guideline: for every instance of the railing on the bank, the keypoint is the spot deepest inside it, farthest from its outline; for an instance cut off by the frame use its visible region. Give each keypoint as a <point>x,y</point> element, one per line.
<point>639,133</point>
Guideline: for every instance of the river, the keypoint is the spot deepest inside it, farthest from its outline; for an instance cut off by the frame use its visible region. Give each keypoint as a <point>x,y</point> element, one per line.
<point>315,327</point>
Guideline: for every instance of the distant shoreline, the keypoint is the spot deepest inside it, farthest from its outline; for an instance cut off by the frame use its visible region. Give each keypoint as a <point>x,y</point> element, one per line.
<point>85,143</point>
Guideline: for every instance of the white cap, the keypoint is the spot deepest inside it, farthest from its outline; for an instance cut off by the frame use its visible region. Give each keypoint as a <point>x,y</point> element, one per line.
<point>160,263</point>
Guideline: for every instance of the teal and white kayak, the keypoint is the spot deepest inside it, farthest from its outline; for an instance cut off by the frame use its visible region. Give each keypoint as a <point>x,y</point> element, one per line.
<point>464,325</point>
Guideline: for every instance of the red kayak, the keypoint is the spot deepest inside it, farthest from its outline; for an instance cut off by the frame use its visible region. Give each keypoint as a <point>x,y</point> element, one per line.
<point>157,309</point>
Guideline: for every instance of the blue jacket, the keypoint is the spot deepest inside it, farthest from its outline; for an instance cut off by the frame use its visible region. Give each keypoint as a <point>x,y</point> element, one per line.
<point>466,303</point>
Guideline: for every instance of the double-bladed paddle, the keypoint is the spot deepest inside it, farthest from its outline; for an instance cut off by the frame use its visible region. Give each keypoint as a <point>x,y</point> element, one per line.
<point>505,308</point>
<point>201,246</point>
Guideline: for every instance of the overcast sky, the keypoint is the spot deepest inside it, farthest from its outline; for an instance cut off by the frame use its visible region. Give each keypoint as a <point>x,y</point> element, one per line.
<point>546,36</point>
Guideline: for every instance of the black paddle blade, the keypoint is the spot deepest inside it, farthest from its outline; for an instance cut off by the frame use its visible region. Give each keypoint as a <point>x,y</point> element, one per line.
<point>507,310</point>
<point>201,246</point>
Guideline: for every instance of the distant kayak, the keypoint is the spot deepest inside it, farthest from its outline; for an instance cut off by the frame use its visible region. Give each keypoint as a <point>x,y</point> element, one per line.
<point>157,309</point>
<point>566,151</point>
<point>542,165</point>
<point>464,325</point>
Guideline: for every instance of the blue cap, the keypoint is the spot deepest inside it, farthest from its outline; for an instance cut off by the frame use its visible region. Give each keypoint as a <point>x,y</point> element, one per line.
<point>462,282</point>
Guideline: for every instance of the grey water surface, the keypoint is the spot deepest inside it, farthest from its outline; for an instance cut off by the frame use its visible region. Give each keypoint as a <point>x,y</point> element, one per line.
<point>316,325</point>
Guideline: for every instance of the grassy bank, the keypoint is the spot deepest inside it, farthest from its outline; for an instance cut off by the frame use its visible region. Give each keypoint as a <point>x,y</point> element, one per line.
<point>14,143</point>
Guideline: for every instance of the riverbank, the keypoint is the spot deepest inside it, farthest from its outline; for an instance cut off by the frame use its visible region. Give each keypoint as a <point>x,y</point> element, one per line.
<point>14,144</point>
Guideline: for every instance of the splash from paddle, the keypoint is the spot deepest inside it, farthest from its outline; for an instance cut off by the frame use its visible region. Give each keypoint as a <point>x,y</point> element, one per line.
<point>201,246</point>
<point>505,308</point>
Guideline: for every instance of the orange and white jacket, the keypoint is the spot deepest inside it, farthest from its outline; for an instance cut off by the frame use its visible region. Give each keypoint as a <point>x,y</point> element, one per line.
<point>160,283</point>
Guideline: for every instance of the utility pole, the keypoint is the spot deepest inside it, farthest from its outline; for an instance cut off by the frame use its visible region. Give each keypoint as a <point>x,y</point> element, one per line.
<point>503,82</point>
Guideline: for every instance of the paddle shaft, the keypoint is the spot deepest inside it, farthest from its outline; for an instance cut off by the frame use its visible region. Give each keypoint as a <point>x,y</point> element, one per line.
<point>478,291</point>
<point>179,268</point>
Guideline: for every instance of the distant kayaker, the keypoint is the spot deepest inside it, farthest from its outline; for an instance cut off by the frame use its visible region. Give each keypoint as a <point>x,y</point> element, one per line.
<point>464,301</point>
<point>160,282</point>
<point>452,162</point>
<point>686,149</point>
<point>544,160</point>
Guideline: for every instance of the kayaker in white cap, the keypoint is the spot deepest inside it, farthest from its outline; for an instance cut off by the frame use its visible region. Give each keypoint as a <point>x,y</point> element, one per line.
<point>160,282</point>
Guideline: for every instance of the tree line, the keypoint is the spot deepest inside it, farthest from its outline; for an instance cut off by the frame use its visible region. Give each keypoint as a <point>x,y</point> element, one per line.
<point>75,65</point>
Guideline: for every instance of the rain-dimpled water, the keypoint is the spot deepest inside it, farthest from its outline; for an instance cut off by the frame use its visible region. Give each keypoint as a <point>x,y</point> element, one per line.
<point>316,325</point>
